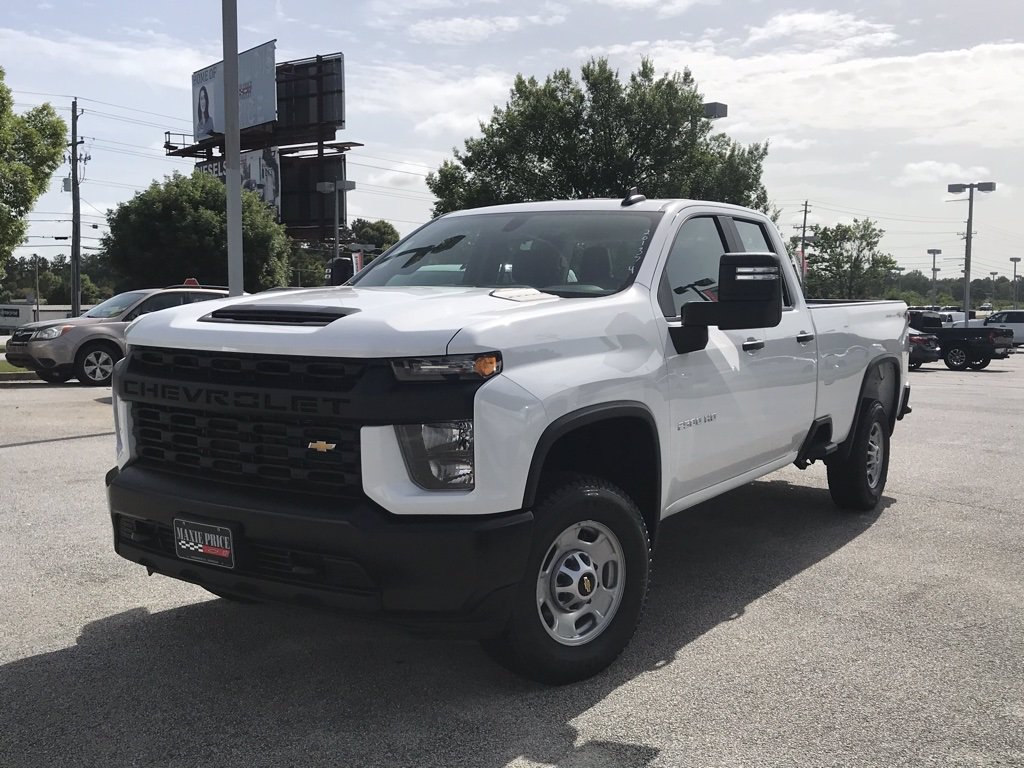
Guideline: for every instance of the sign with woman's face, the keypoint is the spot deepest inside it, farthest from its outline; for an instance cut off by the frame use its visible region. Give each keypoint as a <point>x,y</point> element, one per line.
<point>257,92</point>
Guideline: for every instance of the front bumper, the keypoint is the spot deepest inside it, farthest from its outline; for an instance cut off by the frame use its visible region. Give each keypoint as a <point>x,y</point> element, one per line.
<point>39,356</point>
<point>349,554</point>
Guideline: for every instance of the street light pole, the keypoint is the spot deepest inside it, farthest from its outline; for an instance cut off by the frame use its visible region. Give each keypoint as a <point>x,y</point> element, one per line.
<point>993,276</point>
<point>934,252</point>
<point>1015,260</point>
<point>957,189</point>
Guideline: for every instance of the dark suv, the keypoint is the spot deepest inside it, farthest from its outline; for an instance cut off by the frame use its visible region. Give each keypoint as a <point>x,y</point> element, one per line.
<point>87,347</point>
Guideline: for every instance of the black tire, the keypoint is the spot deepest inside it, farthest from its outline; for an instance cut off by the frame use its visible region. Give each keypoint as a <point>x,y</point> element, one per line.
<point>528,645</point>
<point>856,479</point>
<point>94,364</point>
<point>956,358</point>
<point>980,365</point>
<point>53,377</point>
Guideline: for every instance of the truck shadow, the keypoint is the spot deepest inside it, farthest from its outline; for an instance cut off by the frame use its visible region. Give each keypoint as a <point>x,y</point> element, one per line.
<point>224,684</point>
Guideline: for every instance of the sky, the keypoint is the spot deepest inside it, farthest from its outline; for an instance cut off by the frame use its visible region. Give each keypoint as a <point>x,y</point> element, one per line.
<point>871,108</point>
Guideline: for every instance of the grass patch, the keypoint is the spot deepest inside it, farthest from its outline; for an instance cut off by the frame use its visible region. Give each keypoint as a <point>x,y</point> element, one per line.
<point>6,367</point>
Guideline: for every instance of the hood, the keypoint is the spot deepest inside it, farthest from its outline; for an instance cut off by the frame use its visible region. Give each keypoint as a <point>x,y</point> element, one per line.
<point>41,324</point>
<point>359,322</point>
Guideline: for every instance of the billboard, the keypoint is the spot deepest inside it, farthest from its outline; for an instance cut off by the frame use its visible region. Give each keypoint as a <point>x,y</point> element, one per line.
<point>261,173</point>
<point>257,92</point>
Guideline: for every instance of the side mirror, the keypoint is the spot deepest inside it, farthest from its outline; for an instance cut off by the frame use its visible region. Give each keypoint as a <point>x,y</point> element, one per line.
<point>749,296</point>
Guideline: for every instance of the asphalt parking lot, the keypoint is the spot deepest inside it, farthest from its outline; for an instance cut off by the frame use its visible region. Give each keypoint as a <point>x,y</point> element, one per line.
<point>779,631</point>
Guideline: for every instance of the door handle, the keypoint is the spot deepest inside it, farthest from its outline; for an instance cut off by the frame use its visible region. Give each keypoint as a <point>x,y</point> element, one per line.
<point>752,345</point>
<point>803,337</point>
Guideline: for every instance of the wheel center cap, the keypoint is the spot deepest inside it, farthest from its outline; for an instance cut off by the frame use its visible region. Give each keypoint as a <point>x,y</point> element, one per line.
<point>586,584</point>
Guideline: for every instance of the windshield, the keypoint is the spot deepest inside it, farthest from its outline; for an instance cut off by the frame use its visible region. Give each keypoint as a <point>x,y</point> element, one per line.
<point>114,306</point>
<point>567,253</point>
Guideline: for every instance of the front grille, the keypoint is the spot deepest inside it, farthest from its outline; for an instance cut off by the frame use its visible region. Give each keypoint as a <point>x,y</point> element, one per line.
<point>291,372</point>
<point>22,335</point>
<point>256,449</point>
<point>260,559</point>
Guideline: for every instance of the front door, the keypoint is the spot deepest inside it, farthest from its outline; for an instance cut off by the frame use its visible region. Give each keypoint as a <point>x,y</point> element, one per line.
<point>717,418</point>
<point>787,370</point>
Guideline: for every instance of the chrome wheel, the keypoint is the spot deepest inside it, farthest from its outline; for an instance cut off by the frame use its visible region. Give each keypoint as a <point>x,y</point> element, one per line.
<point>876,454</point>
<point>580,583</point>
<point>98,366</point>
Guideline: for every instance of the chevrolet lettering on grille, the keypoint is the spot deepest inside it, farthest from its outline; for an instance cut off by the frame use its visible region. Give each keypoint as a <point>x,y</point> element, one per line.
<point>230,397</point>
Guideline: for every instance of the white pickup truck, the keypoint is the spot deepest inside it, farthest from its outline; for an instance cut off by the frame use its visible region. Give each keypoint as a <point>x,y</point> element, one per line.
<point>487,427</point>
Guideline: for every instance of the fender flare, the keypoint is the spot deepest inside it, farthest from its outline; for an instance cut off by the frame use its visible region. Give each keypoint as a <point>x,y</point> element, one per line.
<point>870,389</point>
<point>582,417</point>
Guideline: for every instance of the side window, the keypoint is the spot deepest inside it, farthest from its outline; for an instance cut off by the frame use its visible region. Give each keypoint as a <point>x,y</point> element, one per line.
<point>158,302</point>
<point>1014,317</point>
<point>691,273</point>
<point>996,318</point>
<point>195,296</point>
<point>755,240</point>
<point>753,237</point>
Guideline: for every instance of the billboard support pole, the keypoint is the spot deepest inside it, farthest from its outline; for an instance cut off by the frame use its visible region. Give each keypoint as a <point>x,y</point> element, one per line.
<point>232,164</point>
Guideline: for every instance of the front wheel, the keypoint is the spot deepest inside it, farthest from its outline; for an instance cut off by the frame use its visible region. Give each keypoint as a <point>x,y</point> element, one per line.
<point>980,364</point>
<point>858,471</point>
<point>94,365</point>
<point>956,358</point>
<point>585,584</point>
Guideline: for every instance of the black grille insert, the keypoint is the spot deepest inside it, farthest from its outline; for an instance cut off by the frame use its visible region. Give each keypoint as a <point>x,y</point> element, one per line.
<point>252,448</point>
<point>311,374</point>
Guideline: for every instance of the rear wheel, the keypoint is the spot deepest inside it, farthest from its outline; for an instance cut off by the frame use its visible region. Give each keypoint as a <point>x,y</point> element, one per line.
<point>94,365</point>
<point>585,584</point>
<point>53,377</point>
<point>980,364</point>
<point>858,471</point>
<point>956,358</point>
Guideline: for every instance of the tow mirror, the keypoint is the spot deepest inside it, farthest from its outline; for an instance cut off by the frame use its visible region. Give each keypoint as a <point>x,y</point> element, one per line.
<point>749,295</point>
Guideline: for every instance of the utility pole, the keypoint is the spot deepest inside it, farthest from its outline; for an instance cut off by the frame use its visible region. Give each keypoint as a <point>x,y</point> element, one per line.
<point>35,263</point>
<point>232,160</point>
<point>76,218</point>
<point>934,252</point>
<point>956,189</point>
<point>1016,261</point>
<point>803,244</point>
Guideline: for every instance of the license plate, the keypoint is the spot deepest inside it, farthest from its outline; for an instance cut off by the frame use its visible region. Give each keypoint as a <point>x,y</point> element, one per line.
<point>204,543</point>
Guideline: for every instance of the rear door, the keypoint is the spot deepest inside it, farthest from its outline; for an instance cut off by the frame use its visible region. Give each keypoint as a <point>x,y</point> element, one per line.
<point>1012,320</point>
<point>717,415</point>
<point>787,369</point>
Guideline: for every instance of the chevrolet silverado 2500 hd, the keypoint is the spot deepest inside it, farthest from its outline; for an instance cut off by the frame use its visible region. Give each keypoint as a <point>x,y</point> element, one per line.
<point>487,427</point>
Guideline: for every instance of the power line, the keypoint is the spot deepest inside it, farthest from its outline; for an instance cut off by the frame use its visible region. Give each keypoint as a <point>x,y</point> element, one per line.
<point>104,103</point>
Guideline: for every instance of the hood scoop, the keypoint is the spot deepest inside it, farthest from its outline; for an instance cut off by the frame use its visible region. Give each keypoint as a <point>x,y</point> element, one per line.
<point>277,314</point>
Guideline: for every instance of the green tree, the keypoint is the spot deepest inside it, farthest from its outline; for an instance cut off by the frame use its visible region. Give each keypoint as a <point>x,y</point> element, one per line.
<point>177,229</point>
<point>846,262</point>
<point>380,232</point>
<point>31,148</point>
<point>307,263</point>
<point>598,137</point>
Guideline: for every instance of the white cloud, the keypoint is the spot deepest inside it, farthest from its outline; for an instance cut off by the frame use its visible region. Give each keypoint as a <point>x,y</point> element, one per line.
<point>434,101</point>
<point>475,29</point>
<point>814,29</point>
<point>159,59</point>
<point>786,142</point>
<point>933,171</point>
<point>663,8</point>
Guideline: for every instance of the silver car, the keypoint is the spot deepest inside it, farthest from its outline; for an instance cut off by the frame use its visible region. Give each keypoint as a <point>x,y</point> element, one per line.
<point>87,347</point>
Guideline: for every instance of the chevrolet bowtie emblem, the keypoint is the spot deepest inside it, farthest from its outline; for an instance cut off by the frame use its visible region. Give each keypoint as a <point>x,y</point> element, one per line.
<point>321,446</point>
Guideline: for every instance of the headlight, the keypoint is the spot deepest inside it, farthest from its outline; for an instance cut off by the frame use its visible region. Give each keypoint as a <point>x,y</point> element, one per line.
<point>51,333</point>
<point>439,456</point>
<point>481,366</point>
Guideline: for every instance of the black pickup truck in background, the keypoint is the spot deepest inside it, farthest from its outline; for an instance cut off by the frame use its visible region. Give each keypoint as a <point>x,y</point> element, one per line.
<point>963,347</point>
